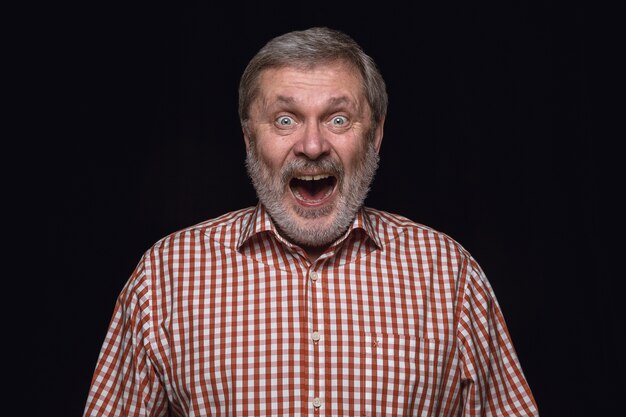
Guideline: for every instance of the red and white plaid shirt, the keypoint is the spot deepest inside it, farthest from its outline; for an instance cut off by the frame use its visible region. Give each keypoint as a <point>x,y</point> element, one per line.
<point>227,318</point>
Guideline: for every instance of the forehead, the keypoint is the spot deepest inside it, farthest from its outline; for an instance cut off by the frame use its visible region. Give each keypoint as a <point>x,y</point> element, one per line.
<point>335,82</point>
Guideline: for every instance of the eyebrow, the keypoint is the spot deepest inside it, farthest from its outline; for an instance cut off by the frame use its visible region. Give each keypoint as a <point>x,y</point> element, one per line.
<point>270,102</point>
<point>343,101</point>
<point>285,99</point>
<point>339,101</point>
<point>332,102</point>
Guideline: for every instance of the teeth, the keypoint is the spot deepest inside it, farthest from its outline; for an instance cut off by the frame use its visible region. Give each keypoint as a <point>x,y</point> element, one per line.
<point>312,177</point>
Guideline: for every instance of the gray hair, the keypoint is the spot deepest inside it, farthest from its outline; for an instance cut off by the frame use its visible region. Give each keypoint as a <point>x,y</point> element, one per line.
<point>306,49</point>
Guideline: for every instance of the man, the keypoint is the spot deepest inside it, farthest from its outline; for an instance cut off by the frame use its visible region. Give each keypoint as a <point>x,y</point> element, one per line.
<point>309,303</point>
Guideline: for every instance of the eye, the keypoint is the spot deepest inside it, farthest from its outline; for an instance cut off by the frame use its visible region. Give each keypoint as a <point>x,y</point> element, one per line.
<point>339,121</point>
<point>285,121</point>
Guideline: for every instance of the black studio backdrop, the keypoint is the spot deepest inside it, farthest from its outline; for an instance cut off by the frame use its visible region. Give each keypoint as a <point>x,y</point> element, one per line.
<point>487,139</point>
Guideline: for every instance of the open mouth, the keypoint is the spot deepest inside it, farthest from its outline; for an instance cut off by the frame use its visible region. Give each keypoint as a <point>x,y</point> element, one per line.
<point>313,189</point>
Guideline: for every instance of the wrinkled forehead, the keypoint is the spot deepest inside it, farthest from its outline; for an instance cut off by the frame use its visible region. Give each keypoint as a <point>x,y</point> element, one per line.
<point>341,81</point>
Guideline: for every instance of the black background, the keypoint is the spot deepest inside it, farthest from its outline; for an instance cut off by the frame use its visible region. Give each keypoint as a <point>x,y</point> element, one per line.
<point>490,138</point>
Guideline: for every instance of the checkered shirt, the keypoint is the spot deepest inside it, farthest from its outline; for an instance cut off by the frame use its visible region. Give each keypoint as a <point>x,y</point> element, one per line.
<point>226,318</point>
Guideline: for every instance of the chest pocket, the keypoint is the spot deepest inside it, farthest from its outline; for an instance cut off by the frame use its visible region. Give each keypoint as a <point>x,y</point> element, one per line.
<point>388,374</point>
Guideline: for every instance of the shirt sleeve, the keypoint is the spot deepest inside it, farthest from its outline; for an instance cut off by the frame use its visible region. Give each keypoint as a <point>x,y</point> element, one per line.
<point>125,382</point>
<point>493,381</point>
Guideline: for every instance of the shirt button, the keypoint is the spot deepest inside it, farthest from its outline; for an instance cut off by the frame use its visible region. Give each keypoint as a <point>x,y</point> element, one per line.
<point>313,276</point>
<point>317,403</point>
<point>316,337</point>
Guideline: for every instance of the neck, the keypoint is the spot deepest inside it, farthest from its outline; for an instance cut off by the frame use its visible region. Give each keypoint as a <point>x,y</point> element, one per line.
<point>314,252</point>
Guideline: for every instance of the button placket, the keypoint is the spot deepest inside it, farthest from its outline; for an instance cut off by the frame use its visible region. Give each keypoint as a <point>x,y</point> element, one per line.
<point>316,339</point>
<point>317,402</point>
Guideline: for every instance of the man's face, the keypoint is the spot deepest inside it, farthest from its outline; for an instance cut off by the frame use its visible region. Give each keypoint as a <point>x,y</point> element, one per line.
<point>311,150</point>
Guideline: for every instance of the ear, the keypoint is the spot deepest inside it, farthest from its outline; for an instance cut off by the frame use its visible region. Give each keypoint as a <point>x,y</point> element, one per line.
<point>246,136</point>
<point>378,134</point>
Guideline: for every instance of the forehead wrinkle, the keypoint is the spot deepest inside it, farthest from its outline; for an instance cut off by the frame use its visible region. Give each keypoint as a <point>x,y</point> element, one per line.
<point>333,102</point>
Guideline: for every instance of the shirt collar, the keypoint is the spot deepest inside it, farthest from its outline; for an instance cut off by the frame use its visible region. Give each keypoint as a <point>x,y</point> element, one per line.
<point>260,222</point>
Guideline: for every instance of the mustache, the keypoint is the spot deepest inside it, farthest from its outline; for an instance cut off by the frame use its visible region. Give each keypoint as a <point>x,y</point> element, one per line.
<point>326,165</point>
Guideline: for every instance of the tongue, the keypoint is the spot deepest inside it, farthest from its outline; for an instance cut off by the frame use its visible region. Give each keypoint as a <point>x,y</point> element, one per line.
<point>312,190</point>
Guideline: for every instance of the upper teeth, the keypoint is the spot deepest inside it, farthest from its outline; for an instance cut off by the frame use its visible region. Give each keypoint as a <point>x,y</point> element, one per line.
<point>312,177</point>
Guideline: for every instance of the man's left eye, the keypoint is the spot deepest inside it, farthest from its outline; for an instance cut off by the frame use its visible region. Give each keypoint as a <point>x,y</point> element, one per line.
<point>339,121</point>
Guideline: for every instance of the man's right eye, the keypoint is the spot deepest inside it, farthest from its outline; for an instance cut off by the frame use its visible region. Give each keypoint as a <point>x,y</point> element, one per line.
<point>285,121</point>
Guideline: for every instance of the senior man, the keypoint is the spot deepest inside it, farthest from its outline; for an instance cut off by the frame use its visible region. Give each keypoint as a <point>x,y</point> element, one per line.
<point>309,303</point>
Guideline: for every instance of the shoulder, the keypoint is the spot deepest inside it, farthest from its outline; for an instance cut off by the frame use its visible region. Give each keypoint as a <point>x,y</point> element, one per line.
<point>203,237</point>
<point>393,226</point>
<point>398,233</point>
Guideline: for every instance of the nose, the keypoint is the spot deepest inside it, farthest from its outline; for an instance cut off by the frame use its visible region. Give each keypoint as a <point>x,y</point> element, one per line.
<point>312,144</point>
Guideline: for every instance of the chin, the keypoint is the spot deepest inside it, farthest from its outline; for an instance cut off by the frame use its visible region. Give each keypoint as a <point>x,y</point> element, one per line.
<point>315,228</point>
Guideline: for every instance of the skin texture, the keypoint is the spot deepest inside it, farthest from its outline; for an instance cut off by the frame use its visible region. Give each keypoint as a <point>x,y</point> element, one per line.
<point>312,121</point>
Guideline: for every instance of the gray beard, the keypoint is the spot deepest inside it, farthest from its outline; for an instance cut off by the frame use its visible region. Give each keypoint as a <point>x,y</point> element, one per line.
<point>271,187</point>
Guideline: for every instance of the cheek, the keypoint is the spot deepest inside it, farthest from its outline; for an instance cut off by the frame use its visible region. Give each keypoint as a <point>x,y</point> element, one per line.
<point>271,156</point>
<point>352,153</point>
